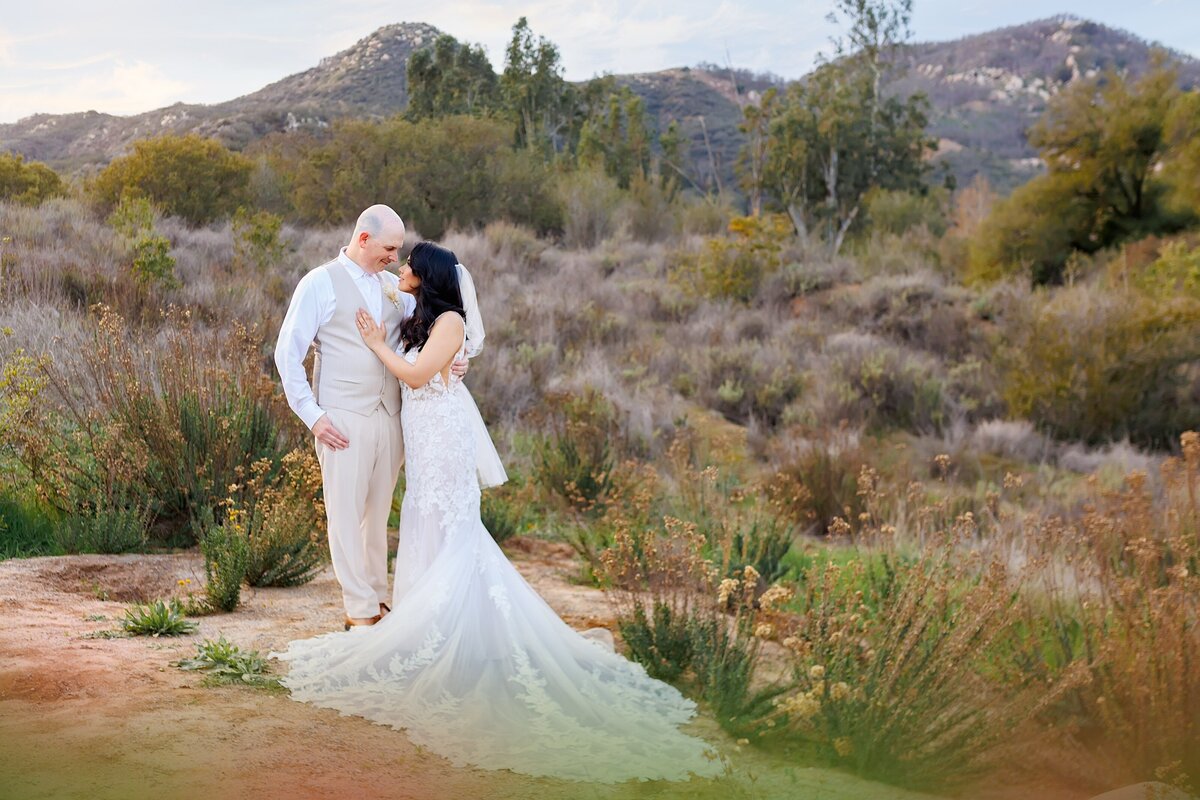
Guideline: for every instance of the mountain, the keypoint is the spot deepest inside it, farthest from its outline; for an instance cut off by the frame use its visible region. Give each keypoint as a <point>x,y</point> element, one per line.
<point>368,79</point>
<point>985,91</point>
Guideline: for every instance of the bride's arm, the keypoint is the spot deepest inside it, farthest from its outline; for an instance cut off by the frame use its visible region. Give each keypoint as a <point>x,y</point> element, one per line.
<point>443,344</point>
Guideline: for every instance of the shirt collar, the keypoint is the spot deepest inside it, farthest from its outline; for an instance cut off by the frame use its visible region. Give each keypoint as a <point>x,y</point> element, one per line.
<point>354,269</point>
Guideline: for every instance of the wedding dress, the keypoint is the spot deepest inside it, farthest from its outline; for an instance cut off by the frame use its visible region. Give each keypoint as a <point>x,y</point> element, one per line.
<point>471,661</point>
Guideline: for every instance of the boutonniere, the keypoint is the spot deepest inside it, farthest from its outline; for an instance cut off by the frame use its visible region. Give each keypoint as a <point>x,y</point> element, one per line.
<point>393,295</point>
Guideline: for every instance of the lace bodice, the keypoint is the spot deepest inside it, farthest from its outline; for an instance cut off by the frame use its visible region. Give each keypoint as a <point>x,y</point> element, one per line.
<point>435,387</point>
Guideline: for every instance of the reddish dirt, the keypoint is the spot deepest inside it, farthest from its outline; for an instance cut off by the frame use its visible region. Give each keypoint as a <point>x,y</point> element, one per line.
<point>87,717</point>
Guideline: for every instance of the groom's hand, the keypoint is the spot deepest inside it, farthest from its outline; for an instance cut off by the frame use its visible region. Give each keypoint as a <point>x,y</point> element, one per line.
<point>459,367</point>
<point>328,435</point>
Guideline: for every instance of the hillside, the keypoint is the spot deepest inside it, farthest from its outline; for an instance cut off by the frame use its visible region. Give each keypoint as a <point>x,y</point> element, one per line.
<point>985,91</point>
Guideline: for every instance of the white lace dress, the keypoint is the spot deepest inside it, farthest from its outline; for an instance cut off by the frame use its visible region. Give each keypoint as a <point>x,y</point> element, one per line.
<point>471,661</point>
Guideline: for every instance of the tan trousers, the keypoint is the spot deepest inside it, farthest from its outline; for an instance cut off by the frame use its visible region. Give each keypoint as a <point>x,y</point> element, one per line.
<point>359,482</point>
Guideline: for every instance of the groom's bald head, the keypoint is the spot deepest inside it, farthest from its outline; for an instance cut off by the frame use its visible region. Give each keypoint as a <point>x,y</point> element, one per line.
<point>378,220</point>
<point>377,238</point>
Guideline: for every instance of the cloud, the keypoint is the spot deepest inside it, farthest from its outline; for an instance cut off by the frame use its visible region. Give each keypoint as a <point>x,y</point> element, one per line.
<point>121,88</point>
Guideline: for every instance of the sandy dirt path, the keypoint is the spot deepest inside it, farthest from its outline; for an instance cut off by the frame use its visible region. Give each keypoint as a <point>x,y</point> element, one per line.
<point>96,718</point>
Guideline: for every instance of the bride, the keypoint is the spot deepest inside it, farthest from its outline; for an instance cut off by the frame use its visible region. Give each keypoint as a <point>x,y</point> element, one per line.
<point>471,661</point>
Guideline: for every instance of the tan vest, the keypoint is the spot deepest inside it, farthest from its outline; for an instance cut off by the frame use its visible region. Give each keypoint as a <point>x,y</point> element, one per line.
<point>346,374</point>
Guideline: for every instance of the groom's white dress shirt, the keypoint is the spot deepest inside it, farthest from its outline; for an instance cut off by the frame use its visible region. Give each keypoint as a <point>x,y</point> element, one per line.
<point>313,304</point>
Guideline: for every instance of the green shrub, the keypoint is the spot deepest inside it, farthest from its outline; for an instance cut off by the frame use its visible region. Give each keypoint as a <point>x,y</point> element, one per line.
<point>1097,366</point>
<point>282,520</point>
<point>590,200</point>
<point>152,262</point>
<point>733,268</point>
<point>226,552</point>
<point>157,619</point>
<point>574,460</point>
<point>896,211</point>
<point>27,528</point>
<point>900,681</point>
<point>191,177</point>
<point>132,217</point>
<point>28,182</point>
<point>504,515</point>
<point>663,646</point>
<point>256,242</point>
<point>104,528</point>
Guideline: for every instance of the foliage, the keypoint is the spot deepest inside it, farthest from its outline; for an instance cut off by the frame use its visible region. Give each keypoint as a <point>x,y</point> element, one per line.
<point>454,171</point>
<point>574,458</point>
<point>1137,633</point>
<point>26,527</point>
<point>1097,366</point>
<point>160,436</point>
<point>226,549</point>
<point>157,619</point>
<point>152,262</point>
<point>223,662</point>
<point>616,137</point>
<point>733,267</point>
<point>256,242</point>
<point>505,510</point>
<point>189,176</point>
<point>117,525</point>
<point>451,78</point>
<point>535,94</point>
<point>819,483</point>
<point>275,508</point>
<point>897,211</point>
<point>1103,140</point>
<point>664,647</point>
<point>28,182</point>
<point>590,200</point>
<point>895,678</point>
<point>819,148</point>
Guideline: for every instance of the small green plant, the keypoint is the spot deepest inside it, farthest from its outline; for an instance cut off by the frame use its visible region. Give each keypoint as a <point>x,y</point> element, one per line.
<point>132,217</point>
<point>226,560</point>
<point>115,528</point>
<point>663,646</point>
<point>153,264</point>
<point>503,516</point>
<point>157,619</point>
<point>224,662</point>
<point>575,461</point>
<point>256,242</point>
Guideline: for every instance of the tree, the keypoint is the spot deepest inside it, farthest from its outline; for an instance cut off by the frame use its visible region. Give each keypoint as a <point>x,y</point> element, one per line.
<point>451,78</point>
<point>824,152</point>
<point>615,137</point>
<point>534,92</point>
<point>833,137</point>
<point>752,160</point>
<point>29,183</point>
<point>1107,142</point>
<point>877,28</point>
<point>457,171</point>
<point>191,177</point>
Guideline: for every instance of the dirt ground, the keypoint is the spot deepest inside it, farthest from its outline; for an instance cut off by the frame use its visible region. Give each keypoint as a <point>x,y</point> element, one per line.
<point>98,718</point>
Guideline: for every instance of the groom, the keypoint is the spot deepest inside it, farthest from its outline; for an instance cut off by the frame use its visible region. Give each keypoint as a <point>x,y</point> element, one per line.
<point>353,403</point>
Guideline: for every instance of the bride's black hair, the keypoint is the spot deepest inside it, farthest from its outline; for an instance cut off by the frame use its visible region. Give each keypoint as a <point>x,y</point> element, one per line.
<point>438,293</point>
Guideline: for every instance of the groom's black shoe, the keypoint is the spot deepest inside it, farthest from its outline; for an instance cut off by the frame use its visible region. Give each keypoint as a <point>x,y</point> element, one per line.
<point>351,622</point>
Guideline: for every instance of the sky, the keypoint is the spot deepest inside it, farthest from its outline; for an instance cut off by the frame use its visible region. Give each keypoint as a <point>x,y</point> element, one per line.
<point>129,56</point>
